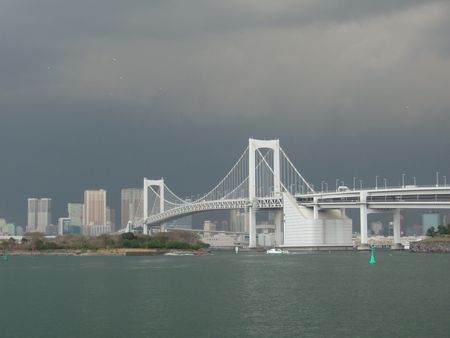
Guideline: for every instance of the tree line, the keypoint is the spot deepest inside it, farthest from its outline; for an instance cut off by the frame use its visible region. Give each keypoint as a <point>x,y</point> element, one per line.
<point>181,240</point>
<point>441,230</point>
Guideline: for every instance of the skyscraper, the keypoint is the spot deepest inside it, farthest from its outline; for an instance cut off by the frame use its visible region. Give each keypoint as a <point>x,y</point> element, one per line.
<point>39,214</point>
<point>430,220</point>
<point>32,219</point>
<point>44,214</point>
<point>238,221</point>
<point>75,213</point>
<point>131,205</point>
<point>111,218</point>
<point>94,212</point>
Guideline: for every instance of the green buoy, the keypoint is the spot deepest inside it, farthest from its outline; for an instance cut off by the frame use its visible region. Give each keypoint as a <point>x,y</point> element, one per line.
<point>372,258</point>
<point>5,257</point>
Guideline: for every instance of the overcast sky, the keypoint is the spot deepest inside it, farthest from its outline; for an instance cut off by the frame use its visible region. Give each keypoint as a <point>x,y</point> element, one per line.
<point>99,94</point>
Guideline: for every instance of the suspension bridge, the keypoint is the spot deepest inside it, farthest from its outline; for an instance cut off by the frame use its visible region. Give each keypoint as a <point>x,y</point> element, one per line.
<point>264,178</point>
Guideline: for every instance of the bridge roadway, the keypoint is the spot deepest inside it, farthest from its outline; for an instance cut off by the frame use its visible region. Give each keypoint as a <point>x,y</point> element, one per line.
<point>202,206</point>
<point>379,200</point>
<point>408,197</point>
<point>368,201</point>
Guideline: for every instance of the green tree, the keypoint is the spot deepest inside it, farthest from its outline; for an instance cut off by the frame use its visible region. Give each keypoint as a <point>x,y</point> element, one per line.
<point>128,235</point>
<point>442,230</point>
<point>431,232</point>
<point>4,245</point>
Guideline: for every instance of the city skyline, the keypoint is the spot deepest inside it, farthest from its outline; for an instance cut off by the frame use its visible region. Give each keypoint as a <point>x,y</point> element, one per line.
<point>132,199</point>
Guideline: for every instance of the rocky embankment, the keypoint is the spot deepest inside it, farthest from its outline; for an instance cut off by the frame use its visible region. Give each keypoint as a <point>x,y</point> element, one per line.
<point>431,245</point>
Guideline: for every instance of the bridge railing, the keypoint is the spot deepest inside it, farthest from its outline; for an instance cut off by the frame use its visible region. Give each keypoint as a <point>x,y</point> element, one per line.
<point>381,188</point>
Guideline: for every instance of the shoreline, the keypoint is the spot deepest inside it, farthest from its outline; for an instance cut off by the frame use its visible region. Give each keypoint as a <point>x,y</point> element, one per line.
<point>431,245</point>
<point>101,252</point>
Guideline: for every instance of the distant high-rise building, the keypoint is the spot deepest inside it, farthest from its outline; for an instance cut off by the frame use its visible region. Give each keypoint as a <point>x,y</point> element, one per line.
<point>39,214</point>
<point>44,214</point>
<point>376,227</point>
<point>430,220</point>
<point>224,225</point>
<point>111,218</point>
<point>98,229</point>
<point>209,226</point>
<point>7,229</point>
<point>63,225</point>
<point>2,222</point>
<point>94,212</point>
<point>180,223</point>
<point>446,219</point>
<point>237,221</point>
<point>131,205</point>
<point>75,213</point>
<point>32,218</point>
<point>19,231</point>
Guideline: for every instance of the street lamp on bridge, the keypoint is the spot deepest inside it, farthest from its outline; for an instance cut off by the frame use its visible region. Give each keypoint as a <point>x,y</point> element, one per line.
<point>437,178</point>
<point>376,182</point>
<point>385,183</point>
<point>414,180</point>
<point>403,180</point>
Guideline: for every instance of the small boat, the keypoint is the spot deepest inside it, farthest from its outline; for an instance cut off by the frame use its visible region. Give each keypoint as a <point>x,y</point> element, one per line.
<point>277,251</point>
<point>179,254</point>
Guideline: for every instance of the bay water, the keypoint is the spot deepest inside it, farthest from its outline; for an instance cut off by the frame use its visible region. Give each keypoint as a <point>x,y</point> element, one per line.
<point>319,294</point>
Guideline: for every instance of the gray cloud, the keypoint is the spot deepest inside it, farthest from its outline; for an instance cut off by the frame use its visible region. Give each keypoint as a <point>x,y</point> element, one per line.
<point>100,94</point>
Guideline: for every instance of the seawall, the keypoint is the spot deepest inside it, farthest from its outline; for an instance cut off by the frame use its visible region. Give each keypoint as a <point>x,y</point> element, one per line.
<point>431,245</point>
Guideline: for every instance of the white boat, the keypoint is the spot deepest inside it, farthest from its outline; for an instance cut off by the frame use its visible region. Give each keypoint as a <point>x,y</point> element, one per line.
<point>277,251</point>
<point>179,254</point>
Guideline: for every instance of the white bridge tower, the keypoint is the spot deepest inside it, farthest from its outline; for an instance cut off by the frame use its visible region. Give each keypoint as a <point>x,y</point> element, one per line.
<point>152,183</point>
<point>253,147</point>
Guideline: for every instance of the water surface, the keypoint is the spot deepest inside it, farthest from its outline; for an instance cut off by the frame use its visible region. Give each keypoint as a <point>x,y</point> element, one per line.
<point>336,294</point>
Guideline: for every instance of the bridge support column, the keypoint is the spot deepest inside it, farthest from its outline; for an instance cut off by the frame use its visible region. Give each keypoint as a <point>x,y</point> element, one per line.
<point>279,228</point>
<point>396,245</point>
<point>363,221</point>
<point>252,226</point>
<point>316,208</point>
<point>149,183</point>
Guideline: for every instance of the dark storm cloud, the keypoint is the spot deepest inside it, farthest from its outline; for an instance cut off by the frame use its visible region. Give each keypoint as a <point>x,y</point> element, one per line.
<point>101,93</point>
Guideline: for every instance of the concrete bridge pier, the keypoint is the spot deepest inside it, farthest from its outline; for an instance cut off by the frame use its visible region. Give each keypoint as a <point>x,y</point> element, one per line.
<point>396,245</point>
<point>279,228</point>
<point>363,221</point>
<point>316,208</point>
<point>251,226</point>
